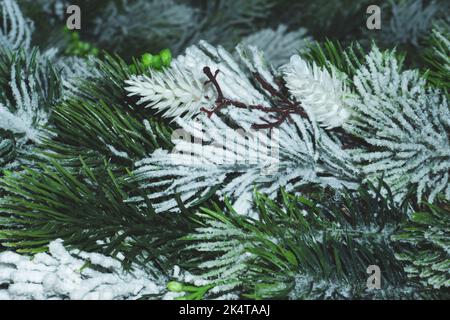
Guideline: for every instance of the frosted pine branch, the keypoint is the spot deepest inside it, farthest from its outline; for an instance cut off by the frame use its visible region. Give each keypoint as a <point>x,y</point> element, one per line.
<point>230,244</point>
<point>406,127</point>
<point>15,29</point>
<point>226,22</point>
<point>75,70</point>
<point>25,116</point>
<point>232,156</point>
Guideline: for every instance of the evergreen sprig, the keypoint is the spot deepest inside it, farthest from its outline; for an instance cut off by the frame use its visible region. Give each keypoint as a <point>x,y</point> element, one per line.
<point>316,247</point>
<point>437,58</point>
<point>425,240</point>
<point>87,209</point>
<point>93,129</point>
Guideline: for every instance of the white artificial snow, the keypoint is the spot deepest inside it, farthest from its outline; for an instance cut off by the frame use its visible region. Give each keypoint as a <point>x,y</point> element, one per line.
<point>321,94</point>
<point>60,274</point>
<point>117,153</point>
<point>255,60</point>
<point>18,123</point>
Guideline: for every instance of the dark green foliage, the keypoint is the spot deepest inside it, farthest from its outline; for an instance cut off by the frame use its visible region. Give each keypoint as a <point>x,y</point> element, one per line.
<point>311,248</point>
<point>29,65</point>
<point>78,183</point>
<point>89,129</point>
<point>109,85</point>
<point>88,210</point>
<point>425,246</point>
<point>7,148</point>
<point>331,54</point>
<point>437,58</point>
<point>325,254</point>
<point>77,188</point>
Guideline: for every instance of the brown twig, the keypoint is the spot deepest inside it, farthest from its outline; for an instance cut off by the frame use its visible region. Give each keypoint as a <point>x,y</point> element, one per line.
<point>283,113</point>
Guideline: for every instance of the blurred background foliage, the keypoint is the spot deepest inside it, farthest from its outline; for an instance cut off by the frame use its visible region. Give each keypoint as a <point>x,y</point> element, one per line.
<point>134,27</point>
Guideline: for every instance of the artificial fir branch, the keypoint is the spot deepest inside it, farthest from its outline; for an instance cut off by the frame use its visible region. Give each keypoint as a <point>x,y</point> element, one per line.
<point>60,274</point>
<point>88,210</point>
<point>308,248</point>
<point>307,154</point>
<point>81,160</point>
<point>405,125</point>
